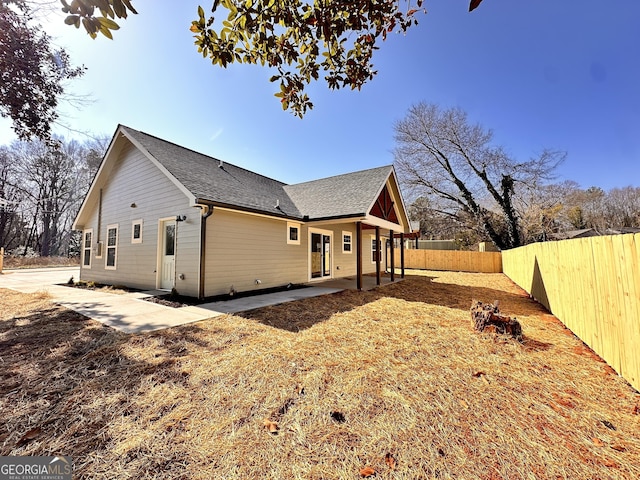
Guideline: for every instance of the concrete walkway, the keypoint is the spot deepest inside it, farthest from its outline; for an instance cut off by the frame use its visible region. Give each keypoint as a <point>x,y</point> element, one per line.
<point>129,312</point>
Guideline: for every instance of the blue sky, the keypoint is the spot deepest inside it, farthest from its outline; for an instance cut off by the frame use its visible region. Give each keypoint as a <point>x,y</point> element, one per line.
<point>544,73</point>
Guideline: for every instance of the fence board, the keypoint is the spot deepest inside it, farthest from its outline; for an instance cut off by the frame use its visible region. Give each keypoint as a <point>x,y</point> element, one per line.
<point>593,286</point>
<point>453,260</point>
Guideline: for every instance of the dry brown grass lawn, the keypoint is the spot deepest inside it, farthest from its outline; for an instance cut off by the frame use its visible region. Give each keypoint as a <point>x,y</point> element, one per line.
<point>349,379</point>
<point>37,262</point>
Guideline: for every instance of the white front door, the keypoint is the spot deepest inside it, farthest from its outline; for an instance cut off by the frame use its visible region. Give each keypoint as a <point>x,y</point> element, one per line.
<point>168,255</point>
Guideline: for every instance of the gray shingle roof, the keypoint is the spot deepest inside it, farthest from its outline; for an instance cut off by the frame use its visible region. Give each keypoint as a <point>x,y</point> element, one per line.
<point>341,196</point>
<point>229,185</point>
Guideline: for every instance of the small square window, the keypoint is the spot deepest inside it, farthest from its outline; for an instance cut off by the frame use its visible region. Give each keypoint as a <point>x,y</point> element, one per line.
<point>293,233</point>
<point>347,242</point>
<point>136,231</point>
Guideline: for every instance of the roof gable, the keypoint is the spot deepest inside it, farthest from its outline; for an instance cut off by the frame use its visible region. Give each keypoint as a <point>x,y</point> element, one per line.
<point>207,180</point>
<point>220,183</point>
<point>347,195</point>
<point>384,207</point>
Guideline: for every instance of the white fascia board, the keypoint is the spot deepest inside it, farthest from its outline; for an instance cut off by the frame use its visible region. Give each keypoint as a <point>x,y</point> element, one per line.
<point>404,207</point>
<point>386,224</point>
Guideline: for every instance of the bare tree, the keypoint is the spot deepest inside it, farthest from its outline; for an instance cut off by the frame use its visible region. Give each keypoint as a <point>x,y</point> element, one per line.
<point>51,179</point>
<point>440,154</point>
<point>12,225</point>
<point>623,207</point>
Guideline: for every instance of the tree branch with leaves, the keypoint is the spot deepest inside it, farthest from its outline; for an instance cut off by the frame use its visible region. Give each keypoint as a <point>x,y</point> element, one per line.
<point>301,40</point>
<point>32,72</point>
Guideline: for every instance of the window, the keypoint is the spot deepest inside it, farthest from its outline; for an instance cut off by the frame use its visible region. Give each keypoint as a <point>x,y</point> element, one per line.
<point>347,241</point>
<point>169,239</point>
<point>136,231</point>
<point>293,233</point>
<point>374,249</point>
<point>86,248</point>
<point>112,247</point>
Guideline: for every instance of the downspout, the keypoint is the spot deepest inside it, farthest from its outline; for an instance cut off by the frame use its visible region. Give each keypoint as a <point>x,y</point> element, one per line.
<point>99,215</point>
<point>208,211</point>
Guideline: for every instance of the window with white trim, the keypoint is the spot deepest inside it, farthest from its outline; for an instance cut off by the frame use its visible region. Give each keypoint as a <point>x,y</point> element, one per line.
<point>87,244</point>
<point>136,231</point>
<point>347,242</point>
<point>293,233</point>
<point>112,247</point>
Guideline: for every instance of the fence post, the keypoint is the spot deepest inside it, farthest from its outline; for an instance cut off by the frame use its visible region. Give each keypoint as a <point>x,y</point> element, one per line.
<point>1,258</point>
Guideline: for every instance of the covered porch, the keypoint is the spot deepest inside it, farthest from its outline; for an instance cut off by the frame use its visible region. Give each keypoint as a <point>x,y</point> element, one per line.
<point>369,282</point>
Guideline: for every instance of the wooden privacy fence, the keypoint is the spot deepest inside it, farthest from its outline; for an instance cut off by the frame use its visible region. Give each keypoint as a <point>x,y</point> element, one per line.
<point>593,286</point>
<point>451,260</point>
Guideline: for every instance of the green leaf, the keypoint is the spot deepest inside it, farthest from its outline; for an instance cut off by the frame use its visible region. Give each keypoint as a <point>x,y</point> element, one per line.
<point>106,32</point>
<point>200,12</point>
<point>108,24</point>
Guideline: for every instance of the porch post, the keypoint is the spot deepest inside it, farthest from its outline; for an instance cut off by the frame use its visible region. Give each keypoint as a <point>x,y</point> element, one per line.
<point>359,255</point>
<point>378,250</point>
<point>393,256</point>
<point>402,255</point>
<point>417,245</point>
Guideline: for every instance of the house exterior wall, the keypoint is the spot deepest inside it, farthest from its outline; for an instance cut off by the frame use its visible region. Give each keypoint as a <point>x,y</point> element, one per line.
<point>242,248</point>
<point>135,179</point>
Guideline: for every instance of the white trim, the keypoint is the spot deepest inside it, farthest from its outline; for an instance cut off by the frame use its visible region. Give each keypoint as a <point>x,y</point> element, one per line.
<point>84,247</point>
<point>329,233</point>
<point>404,207</point>
<point>116,227</point>
<point>383,224</point>
<point>295,225</point>
<point>350,242</point>
<point>133,228</point>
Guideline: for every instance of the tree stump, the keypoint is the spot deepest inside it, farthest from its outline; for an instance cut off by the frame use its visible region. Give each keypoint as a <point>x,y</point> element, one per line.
<point>487,317</point>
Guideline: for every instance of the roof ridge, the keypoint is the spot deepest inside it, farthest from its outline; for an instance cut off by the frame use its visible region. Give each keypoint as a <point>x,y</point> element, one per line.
<point>341,175</point>
<point>203,154</point>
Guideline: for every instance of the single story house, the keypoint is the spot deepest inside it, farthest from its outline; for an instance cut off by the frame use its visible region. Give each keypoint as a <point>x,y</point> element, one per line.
<point>161,216</point>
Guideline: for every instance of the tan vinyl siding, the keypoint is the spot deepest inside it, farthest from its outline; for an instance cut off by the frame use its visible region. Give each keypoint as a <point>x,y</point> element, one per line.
<point>242,248</point>
<point>135,179</point>
<point>347,261</point>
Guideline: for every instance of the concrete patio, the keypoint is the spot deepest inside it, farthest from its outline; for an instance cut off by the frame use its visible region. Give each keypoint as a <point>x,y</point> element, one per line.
<point>129,312</point>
